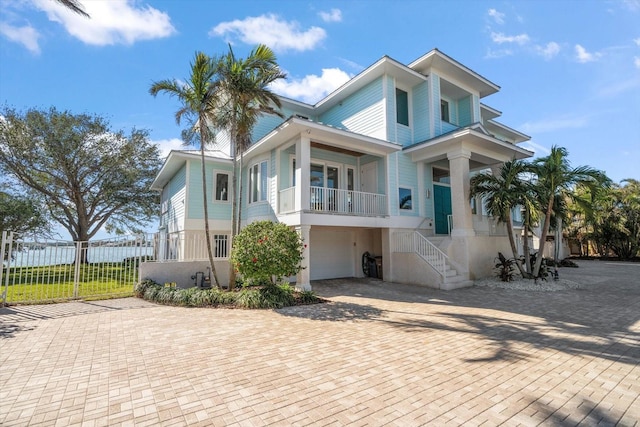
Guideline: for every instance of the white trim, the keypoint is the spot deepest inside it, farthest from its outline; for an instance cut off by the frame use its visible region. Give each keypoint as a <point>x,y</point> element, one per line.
<point>411,191</point>
<point>215,185</point>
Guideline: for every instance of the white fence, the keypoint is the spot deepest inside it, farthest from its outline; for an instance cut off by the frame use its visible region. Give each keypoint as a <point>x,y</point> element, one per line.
<point>188,246</point>
<point>337,201</point>
<point>40,270</point>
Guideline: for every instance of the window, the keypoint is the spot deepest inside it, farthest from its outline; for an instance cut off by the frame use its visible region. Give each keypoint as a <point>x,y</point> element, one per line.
<point>402,107</point>
<point>222,187</point>
<point>350,179</point>
<point>258,182</point>
<point>441,176</point>
<point>405,196</point>
<point>221,245</point>
<point>444,110</point>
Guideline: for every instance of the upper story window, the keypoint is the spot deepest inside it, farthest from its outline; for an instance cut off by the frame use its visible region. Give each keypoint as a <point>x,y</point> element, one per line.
<point>444,110</point>
<point>402,107</point>
<point>222,187</point>
<point>258,182</point>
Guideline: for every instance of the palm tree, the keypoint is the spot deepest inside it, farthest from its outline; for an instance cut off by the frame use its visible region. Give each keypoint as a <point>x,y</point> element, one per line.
<point>74,6</point>
<point>244,95</point>
<point>556,177</point>
<point>198,106</point>
<point>502,193</point>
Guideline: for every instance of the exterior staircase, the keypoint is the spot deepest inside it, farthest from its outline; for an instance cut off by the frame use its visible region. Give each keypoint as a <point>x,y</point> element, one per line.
<point>428,249</point>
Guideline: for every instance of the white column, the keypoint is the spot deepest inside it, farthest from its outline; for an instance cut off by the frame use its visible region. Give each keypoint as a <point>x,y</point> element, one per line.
<point>302,279</point>
<point>460,208</point>
<point>303,166</point>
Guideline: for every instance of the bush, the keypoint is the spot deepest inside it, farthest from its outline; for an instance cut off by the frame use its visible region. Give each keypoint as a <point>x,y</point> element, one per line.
<point>265,251</point>
<point>268,296</point>
<point>504,268</point>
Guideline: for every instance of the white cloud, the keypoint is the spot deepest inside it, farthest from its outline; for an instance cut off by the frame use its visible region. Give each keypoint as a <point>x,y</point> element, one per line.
<point>112,22</point>
<point>497,16</point>
<point>26,36</point>
<point>637,41</point>
<point>543,126</point>
<point>500,38</point>
<point>583,56</point>
<point>539,150</point>
<point>276,33</point>
<point>620,87</point>
<point>166,145</point>
<point>632,5</point>
<point>312,88</point>
<point>334,15</point>
<point>500,53</point>
<point>548,51</point>
<point>636,61</point>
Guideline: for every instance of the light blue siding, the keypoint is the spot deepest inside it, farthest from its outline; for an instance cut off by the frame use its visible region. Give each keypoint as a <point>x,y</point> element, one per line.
<point>217,209</point>
<point>421,120</point>
<point>428,185</point>
<point>333,157</point>
<point>435,100</point>
<point>363,112</point>
<point>268,122</point>
<point>403,135</point>
<point>464,112</point>
<point>390,106</point>
<point>407,178</point>
<point>174,197</point>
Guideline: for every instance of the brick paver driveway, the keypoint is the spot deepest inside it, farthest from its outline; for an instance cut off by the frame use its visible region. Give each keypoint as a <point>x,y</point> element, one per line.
<point>377,354</point>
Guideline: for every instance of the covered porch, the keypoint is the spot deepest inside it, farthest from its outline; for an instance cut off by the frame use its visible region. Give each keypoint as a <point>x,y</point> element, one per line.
<point>321,169</point>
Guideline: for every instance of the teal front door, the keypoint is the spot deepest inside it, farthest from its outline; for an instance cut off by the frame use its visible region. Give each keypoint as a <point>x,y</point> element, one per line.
<point>441,207</point>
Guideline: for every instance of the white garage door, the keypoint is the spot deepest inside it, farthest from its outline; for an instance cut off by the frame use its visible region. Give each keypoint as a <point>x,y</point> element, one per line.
<point>331,254</point>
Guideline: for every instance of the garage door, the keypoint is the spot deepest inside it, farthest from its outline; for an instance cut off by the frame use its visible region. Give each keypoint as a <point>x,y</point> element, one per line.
<point>331,254</point>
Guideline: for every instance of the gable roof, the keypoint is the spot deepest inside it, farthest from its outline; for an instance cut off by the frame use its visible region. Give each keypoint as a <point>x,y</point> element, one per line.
<point>450,67</point>
<point>177,158</point>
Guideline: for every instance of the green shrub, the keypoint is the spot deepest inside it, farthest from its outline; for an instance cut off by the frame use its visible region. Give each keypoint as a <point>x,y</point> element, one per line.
<point>265,251</point>
<point>268,296</point>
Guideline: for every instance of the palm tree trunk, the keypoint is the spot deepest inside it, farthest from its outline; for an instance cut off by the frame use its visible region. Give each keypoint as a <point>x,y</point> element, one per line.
<point>512,242</point>
<point>543,236</point>
<point>240,191</point>
<point>206,212</point>
<point>234,229</point>
<point>525,244</point>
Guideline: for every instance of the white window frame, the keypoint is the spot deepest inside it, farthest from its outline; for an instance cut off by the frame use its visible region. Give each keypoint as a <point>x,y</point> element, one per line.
<point>215,185</point>
<point>262,198</point>
<point>400,187</point>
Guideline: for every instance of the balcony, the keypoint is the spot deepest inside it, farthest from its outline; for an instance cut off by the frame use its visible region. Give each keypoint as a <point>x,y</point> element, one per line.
<point>336,201</point>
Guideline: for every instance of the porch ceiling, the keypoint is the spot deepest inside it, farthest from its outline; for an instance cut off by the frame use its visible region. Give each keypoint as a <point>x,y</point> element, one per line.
<point>485,150</point>
<point>328,136</point>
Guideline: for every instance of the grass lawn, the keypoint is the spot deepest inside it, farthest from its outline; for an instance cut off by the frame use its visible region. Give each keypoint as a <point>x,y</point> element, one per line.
<point>51,283</point>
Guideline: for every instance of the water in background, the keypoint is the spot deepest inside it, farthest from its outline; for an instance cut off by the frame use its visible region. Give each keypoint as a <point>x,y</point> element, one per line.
<point>54,255</point>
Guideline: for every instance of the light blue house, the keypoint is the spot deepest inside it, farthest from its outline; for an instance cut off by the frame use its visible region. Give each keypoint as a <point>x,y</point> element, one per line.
<point>381,165</point>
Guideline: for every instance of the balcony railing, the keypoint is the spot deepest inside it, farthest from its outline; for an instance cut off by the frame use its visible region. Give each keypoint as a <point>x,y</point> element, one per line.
<point>336,201</point>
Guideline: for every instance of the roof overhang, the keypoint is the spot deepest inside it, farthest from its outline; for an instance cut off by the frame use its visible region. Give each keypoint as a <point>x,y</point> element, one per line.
<point>177,158</point>
<point>485,150</point>
<point>507,131</point>
<point>321,133</point>
<point>450,67</point>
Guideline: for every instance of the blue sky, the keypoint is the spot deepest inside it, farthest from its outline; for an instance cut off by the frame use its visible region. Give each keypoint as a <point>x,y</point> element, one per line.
<point>569,71</point>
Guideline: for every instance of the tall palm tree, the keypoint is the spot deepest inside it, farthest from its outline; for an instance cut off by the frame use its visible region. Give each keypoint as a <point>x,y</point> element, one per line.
<point>502,193</point>
<point>198,106</point>
<point>244,95</point>
<point>555,177</point>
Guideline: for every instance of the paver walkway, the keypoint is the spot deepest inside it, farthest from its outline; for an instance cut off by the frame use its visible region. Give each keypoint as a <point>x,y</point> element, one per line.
<point>377,354</point>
